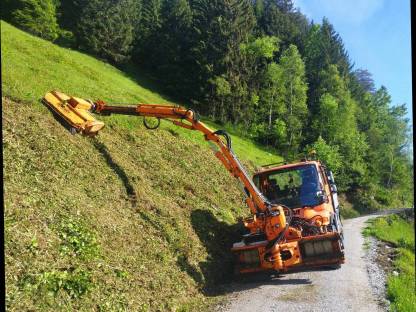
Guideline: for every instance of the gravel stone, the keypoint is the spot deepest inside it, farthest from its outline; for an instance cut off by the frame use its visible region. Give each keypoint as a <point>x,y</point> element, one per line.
<point>376,273</point>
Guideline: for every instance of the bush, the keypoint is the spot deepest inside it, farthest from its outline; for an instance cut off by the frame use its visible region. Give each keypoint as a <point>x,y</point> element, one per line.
<point>347,212</point>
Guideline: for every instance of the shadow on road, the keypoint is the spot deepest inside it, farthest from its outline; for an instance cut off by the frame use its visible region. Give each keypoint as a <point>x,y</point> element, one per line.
<point>273,281</point>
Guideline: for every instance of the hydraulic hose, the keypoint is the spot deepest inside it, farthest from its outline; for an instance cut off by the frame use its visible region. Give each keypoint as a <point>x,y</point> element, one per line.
<point>226,136</point>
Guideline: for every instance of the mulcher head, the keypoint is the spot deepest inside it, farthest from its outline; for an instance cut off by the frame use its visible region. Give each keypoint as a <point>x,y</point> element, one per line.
<point>74,112</point>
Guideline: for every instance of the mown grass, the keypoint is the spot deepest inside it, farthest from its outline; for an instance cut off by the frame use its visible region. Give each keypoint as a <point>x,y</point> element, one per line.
<point>399,231</point>
<point>133,219</point>
<point>127,221</point>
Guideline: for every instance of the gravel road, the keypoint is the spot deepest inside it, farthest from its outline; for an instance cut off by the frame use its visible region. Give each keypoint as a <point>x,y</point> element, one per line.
<point>345,289</point>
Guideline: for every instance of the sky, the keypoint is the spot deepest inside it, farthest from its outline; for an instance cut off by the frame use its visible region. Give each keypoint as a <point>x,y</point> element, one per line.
<point>376,34</point>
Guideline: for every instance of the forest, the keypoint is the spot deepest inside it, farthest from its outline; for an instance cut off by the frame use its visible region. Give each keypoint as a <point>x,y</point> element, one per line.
<point>261,67</point>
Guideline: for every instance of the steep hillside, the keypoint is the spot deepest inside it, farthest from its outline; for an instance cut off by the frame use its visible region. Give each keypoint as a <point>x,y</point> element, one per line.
<point>32,66</point>
<point>130,220</point>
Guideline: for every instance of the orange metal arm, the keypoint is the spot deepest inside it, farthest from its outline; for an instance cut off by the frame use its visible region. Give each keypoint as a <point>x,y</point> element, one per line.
<point>187,118</point>
<point>267,218</point>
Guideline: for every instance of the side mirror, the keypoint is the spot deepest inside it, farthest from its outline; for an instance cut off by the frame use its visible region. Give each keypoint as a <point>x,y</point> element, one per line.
<point>321,196</point>
<point>330,176</point>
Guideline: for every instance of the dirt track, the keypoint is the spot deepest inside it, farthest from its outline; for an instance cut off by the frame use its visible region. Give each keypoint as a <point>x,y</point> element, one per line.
<point>345,289</point>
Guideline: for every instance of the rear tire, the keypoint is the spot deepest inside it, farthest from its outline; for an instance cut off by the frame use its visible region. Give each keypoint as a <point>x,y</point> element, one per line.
<point>334,266</point>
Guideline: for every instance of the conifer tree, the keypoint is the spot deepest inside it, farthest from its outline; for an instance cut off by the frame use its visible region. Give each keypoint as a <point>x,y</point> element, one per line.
<point>220,26</point>
<point>279,18</point>
<point>107,28</point>
<point>35,16</point>
<point>147,40</point>
<point>171,53</point>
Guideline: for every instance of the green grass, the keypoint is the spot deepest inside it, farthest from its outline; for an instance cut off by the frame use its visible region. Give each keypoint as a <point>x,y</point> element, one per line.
<point>132,220</point>
<point>400,232</point>
<point>33,67</point>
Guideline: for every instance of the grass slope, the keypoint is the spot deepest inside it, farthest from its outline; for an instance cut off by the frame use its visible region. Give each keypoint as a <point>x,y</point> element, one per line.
<point>131,220</point>
<point>32,66</point>
<point>401,232</point>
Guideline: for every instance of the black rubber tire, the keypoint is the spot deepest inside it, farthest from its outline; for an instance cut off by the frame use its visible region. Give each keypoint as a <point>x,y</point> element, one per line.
<point>334,266</point>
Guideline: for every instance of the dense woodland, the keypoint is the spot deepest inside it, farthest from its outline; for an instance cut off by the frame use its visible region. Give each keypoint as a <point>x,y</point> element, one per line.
<point>260,67</point>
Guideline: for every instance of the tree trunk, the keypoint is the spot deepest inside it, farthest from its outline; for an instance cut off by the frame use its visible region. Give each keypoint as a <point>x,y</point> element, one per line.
<point>290,113</point>
<point>391,170</point>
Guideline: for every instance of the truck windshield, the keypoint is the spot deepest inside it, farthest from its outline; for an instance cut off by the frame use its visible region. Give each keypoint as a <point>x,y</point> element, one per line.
<point>294,187</point>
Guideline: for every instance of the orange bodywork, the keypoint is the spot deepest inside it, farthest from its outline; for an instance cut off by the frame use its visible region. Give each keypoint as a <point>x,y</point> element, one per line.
<point>74,111</point>
<point>273,242</point>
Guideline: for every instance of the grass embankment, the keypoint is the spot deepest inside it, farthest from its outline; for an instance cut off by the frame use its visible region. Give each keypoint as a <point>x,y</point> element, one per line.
<point>400,232</point>
<point>32,66</point>
<point>130,220</point>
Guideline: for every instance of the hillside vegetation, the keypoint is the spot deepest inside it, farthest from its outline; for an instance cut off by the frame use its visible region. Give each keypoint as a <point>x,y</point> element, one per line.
<point>130,220</point>
<point>400,231</point>
<point>33,66</point>
<point>261,67</point>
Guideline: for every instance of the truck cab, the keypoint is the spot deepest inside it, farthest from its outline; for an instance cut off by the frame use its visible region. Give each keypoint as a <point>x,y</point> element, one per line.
<point>308,189</point>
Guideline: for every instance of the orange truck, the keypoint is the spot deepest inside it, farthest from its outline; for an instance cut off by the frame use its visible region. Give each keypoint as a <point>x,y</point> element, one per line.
<point>295,222</point>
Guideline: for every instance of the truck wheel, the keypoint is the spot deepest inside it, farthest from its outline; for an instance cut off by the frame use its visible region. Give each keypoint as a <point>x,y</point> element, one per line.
<point>334,266</point>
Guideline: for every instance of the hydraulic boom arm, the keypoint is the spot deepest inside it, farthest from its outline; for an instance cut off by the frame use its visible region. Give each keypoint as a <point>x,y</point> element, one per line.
<point>273,242</point>
<point>186,118</point>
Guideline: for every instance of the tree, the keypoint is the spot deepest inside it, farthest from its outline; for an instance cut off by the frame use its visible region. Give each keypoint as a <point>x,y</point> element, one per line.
<point>152,17</point>
<point>171,47</point>
<point>323,48</point>
<point>335,120</point>
<point>365,79</point>
<point>279,18</point>
<point>258,8</point>
<point>275,130</point>
<point>283,107</point>
<point>260,48</point>
<point>221,90</point>
<point>273,89</point>
<point>70,13</point>
<point>328,154</point>
<point>259,72</point>
<point>35,16</point>
<point>146,44</point>
<point>294,90</point>
<point>219,28</point>
<point>326,124</point>
<point>107,28</point>
<point>388,136</point>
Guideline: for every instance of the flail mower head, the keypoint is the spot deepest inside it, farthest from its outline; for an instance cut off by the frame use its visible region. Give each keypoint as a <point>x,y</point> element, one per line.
<point>74,112</point>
